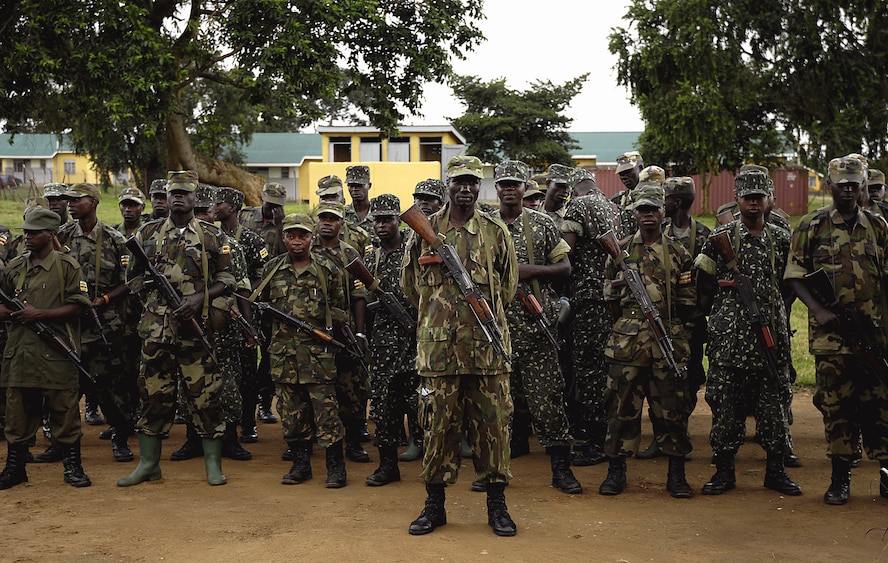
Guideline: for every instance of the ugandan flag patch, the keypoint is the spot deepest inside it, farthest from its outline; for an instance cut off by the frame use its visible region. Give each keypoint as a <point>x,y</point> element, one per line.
<point>263,253</point>
<point>83,287</point>
<point>359,284</point>
<point>684,278</point>
<point>3,238</point>
<point>124,260</point>
<point>226,249</point>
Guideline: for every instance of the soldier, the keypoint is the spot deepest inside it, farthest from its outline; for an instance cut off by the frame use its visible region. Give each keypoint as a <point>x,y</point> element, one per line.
<point>637,368</point>
<point>393,377</point>
<point>463,378</point>
<point>557,192</point>
<point>588,215</point>
<point>629,167</point>
<point>309,287</point>
<point>739,379</point>
<point>848,243</point>
<point>533,197</point>
<point>428,195</point>
<point>195,257</point>
<point>158,195</point>
<point>131,203</point>
<point>875,187</point>
<point>536,379</point>
<point>330,189</point>
<point>358,211</point>
<point>34,373</point>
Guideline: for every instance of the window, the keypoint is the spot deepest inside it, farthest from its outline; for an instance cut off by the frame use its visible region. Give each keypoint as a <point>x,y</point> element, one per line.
<point>285,172</point>
<point>18,165</point>
<point>371,149</point>
<point>70,167</point>
<point>398,150</point>
<point>430,149</point>
<point>340,149</point>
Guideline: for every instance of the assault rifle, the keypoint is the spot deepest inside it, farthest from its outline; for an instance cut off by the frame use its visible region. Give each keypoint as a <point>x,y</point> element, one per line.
<point>358,269</point>
<point>721,242</point>
<point>535,310</point>
<point>246,326</point>
<point>169,293</point>
<point>446,256</point>
<point>97,320</point>
<point>636,286</point>
<point>289,319</point>
<point>724,217</point>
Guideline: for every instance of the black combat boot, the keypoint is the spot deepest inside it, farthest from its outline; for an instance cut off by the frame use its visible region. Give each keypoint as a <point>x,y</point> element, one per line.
<point>839,490</point>
<point>497,513</point>
<point>266,415</point>
<point>388,471</point>
<point>353,448</point>
<point>231,448</point>
<point>54,453</point>
<point>249,434</point>
<point>14,473</point>
<point>74,474</point>
<point>776,478</point>
<point>336,476</point>
<point>676,483</point>
<point>562,477</point>
<point>883,479</point>
<point>433,514</point>
<point>106,433</point>
<point>591,454</point>
<point>192,447</point>
<point>724,479</point>
<point>120,448</point>
<point>92,416</point>
<point>615,482</point>
<point>300,471</point>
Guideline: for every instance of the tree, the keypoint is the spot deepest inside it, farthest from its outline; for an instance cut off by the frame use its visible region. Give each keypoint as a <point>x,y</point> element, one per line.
<point>121,76</point>
<point>501,123</point>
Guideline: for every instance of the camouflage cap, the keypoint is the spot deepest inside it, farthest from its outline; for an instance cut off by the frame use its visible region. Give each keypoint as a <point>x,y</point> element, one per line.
<point>650,195</point>
<point>358,174</point>
<point>846,170</point>
<point>751,182</point>
<point>131,194</point>
<point>747,167</point>
<point>41,219</point>
<point>541,180</point>
<point>301,221</point>
<point>329,185</point>
<point>652,175</point>
<point>580,174</point>
<point>205,196</point>
<point>533,191</point>
<point>559,173</point>
<point>274,193</point>
<point>77,191</point>
<point>54,189</point>
<point>333,207</point>
<point>465,165</point>
<point>158,186</point>
<point>628,161</point>
<point>511,170</point>
<point>430,187</point>
<point>182,180</point>
<point>385,205</point>
<point>875,177</point>
<point>679,185</point>
<point>230,195</point>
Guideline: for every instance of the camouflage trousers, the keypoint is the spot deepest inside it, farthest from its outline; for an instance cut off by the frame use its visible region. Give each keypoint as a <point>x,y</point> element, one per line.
<point>628,386</point>
<point>734,393</point>
<point>352,392</point>
<point>393,395</point>
<point>592,327</point>
<point>851,398</point>
<point>227,344</point>
<point>162,367</point>
<point>536,379</point>
<point>116,387</point>
<point>484,403</point>
<point>24,414</point>
<point>309,410</point>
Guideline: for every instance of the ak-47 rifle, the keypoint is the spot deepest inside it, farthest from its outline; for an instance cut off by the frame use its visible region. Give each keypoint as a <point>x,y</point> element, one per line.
<point>169,293</point>
<point>535,310</point>
<point>636,286</point>
<point>289,319</point>
<point>97,320</point>
<point>857,328</point>
<point>724,217</point>
<point>48,335</point>
<point>446,256</point>
<point>358,269</point>
<point>246,326</point>
<point>721,242</point>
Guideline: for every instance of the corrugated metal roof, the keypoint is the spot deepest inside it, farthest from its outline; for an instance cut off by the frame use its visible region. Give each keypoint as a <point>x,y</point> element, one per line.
<point>282,148</point>
<point>28,146</point>
<point>605,146</point>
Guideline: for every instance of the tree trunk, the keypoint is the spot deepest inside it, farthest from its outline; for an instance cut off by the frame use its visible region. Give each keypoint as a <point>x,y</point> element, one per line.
<point>180,156</point>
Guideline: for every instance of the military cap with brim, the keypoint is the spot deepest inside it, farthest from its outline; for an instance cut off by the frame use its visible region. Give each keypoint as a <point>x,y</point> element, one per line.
<point>465,166</point>
<point>158,186</point>
<point>205,196</point>
<point>751,182</point>
<point>679,185</point>
<point>299,221</point>
<point>430,187</point>
<point>77,191</point>
<point>54,189</point>
<point>875,177</point>
<point>559,173</point>
<point>41,219</point>
<point>226,194</point>
<point>333,207</point>
<point>846,170</point>
<point>182,181</point>
<point>650,195</point>
<point>329,185</point>
<point>532,193</point>
<point>131,194</point>
<point>358,174</point>
<point>579,174</point>
<point>385,205</point>
<point>628,161</point>
<point>274,193</point>
<point>511,170</point>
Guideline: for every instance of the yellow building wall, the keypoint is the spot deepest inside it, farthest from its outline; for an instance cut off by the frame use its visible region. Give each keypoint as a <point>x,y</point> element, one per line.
<point>83,169</point>
<point>447,138</point>
<point>398,178</point>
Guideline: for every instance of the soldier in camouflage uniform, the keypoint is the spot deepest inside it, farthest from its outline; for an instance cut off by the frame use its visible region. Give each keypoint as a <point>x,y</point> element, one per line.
<point>158,195</point>
<point>739,383</point>
<point>131,203</point>
<point>533,197</point>
<point>588,215</point>
<point>393,377</point>
<point>849,244</point>
<point>428,195</point>
<point>357,178</point>
<point>558,190</point>
<point>875,187</point>
<point>463,378</point>
<point>536,378</point>
<point>308,286</point>
<point>629,167</point>
<point>196,258</point>
<point>330,191</point>
<point>637,369</point>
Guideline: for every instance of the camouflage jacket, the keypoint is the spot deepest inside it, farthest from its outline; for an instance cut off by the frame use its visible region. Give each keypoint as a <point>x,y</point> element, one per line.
<point>177,255</point>
<point>112,271</point>
<point>558,216</point>
<point>27,360</point>
<point>588,217</point>
<point>251,218</point>
<point>358,238</point>
<point>254,251</point>
<point>392,347</point>
<point>669,284</point>
<point>309,294</point>
<point>352,288</point>
<point>732,339</point>
<point>854,257</point>
<point>351,217</point>
<point>449,341</point>
<point>693,240</point>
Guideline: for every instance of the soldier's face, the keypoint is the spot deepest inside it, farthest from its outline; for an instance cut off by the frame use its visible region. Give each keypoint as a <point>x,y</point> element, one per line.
<point>329,226</point>
<point>752,206</point>
<point>464,190</point>
<point>427,204</point>
<point>207,214</point>
<point>649,217</point>
<point>224,210</point>
<point>358,192</point>
<point>510,192</point>
<point>159,203</point>
<point>876,192</point>
<point>671,204</point>
<point>845,196</point>
<point>36,241</point>
<point>629,178</point>
<point>181,201</point>
<point>297,242</point>
<point>333,198</point>
<point>535,202</point>
<point>273,211</point>
<point>81,207</point>
<point>386,226</point>
<point>130,210</point>
<point>556,194</point>
<point>59,206</point>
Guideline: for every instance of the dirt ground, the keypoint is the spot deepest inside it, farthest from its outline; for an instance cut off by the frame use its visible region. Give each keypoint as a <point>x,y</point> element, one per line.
<point>255,518</point>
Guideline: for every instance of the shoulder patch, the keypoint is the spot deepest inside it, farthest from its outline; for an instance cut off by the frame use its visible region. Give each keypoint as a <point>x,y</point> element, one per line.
<point>226,249</point>
<point>83,287</point>
<point>263,253</point>
<point>684,278</point>
<point>124,260</point>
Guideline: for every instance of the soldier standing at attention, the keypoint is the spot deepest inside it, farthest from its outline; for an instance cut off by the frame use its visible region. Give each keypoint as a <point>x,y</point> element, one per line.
<point>158,195</point>
<point>875,187</point>
<point>463,378</point>
<point>533,197</point>
<point>428,195</point>
<point>131,203</point>
<point>848,243</point>
<point>195,257</point>
<point>629,167</point>
<point>739,382</point>
<point>357,178</point>
<point>536,379</point>
<point>33,373</point>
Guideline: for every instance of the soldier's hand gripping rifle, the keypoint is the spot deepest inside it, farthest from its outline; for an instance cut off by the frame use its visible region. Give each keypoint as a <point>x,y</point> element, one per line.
<point>358,269</point>
<point>535,310</point>
<point>721,242</point>
<point>289,319</point>
<point>169,293</point>
<point>246,326</point>
<point>636,286</point>
<point>446,256</point>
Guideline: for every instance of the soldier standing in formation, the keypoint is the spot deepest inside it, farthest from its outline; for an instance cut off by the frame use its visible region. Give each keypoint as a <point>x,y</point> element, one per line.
<point>428,196</point>
<point>357,178</point>
<point>557,192</point>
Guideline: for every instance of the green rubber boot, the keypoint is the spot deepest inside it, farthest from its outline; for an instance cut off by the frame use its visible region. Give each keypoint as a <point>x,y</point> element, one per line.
<point>149,463</point>
<point>413,451</point>
<point>213,461</point>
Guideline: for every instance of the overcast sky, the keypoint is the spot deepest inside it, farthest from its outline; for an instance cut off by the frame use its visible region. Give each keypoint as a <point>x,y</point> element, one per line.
<point>553,40</point>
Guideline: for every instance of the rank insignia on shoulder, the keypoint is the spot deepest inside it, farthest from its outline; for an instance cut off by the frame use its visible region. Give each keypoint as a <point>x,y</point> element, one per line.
<point>83,287</point>
<point>124,260</point>
<point>226,249</point>
<point>263,253</point>
<point>684,278</point>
